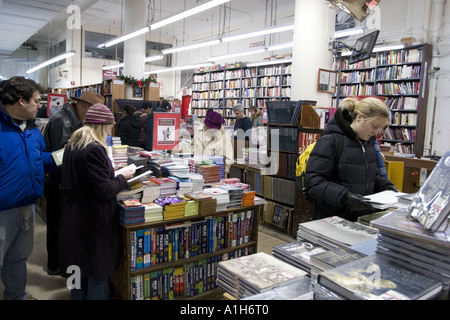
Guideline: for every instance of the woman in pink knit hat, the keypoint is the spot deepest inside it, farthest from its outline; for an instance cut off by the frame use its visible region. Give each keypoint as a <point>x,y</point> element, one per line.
<point>89,234</point>
<point>211,139</point>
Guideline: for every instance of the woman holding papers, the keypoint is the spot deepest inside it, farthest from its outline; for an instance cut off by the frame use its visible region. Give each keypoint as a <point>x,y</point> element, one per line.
<point>338,187</point>
<point>89,234</point>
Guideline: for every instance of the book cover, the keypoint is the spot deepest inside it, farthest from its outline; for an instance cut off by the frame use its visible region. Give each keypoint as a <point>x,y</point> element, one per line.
<point>430,204</point>
<point>260,271</point>
<point>373,277</point>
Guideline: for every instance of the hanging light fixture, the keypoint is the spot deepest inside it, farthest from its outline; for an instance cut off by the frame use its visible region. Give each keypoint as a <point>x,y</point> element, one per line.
<point>52,60</point>
<point>164,22</point>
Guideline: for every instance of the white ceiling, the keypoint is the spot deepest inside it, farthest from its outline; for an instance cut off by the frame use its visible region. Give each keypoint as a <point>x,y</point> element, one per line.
<point>37,22</point>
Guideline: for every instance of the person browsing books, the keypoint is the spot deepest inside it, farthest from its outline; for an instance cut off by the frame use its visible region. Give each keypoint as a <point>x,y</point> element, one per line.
<point>89,233</point>
<point>56,134</point>
<point>211,139</point>
<point>339,189</point>
<point>129,127</point>
<point>243,124</point>
<point>23,160</point>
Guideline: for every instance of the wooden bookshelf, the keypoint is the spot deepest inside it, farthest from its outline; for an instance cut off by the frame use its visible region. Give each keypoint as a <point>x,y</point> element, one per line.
<point>124,277</point>
<point>401,77</point>
<point>221,89</point>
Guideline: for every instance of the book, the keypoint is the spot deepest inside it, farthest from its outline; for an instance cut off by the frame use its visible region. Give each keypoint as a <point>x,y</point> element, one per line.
<point>334,232</point>
<point>374,277</point>
<point>258,272</point>
<point>297,253</point>
<point>58,156</point>
<point>430,205</point>
<point>300,289</point>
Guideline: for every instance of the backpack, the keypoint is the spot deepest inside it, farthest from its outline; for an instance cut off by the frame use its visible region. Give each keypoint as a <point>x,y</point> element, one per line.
<point>302,161</point>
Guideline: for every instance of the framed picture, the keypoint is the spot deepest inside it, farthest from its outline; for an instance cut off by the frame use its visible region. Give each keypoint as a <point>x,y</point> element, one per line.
<point>166,127</point>
<point>327,81</point>
<point>54,103</point>
<point>137,92</point>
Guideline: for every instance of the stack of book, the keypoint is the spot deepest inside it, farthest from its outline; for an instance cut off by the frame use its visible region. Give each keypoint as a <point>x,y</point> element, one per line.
<point>151,191</point>
<point>183,184</point>
<point>191,208</point>
<point>210,173</point>
<point>153,212</point>
<point>249,198</point>
<point>173,168</point>
<point>219,161</point>
<point>173,207</point>
<point>407,243</point>
<point>168,186</point>
<point>206,203</point>
<point>151,154</point>
<point>329,259</point>
<point>253,274</point>
<point>297,253</point>
<point>116,141</point>
<point>119,154</point>
<point>131,214</point>
<point>335,232</point>
<point>221,195</point>
<point>137,160</point>
<point>235,195</point>
<point>197,182</point>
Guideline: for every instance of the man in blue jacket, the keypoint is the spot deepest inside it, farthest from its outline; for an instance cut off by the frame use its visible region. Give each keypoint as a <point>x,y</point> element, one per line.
<point>22,163</point>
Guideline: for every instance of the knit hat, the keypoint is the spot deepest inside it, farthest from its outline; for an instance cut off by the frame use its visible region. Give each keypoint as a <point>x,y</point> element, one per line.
<point>99,114</point>
<point>214,120</point>
<point>90,97</point>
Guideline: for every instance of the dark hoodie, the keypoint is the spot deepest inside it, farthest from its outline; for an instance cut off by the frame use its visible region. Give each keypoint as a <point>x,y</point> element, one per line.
<point>129,129</point>
<point>357,170</point>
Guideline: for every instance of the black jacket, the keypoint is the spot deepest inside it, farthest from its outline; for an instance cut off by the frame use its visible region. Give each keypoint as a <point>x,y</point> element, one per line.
<point>57,132</point>
<point>357,171</point>
<point>129,130</point>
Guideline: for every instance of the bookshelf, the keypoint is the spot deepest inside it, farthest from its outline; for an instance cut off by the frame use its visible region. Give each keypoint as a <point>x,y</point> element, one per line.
<point>212,239</point>
<point>221,88</point>
<point>401,77</point>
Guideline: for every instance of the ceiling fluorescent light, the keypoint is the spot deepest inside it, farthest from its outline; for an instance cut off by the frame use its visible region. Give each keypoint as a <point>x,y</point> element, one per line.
<point>52,60</point>
<point>123,38</point>
<point>113,66</point>
<point>264,63</point>
<point>388,47</point>
<point>258,33</point>
<point>280,46</point>
<point>186,67</point>
<point>187,13</point>
<point>153,58</point>
<point>348,32</point>
<point>236,54</point>
<point>191,46</point>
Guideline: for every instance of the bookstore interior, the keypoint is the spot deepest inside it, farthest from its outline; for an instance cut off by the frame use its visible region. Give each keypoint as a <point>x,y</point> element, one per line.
<point>190,222</point>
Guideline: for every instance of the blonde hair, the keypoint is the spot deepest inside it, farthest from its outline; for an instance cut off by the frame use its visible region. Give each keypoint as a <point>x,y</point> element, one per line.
<point>89,133</point>
<point>370,108</point>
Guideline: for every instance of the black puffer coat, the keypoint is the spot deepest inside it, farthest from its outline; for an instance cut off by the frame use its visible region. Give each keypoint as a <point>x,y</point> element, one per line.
<point>129,130</point>
<point>357,171</point>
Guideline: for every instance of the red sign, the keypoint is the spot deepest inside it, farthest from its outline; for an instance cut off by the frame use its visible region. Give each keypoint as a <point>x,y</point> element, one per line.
<point>109,74</point>
<point>55,102</point>
<point>305,139</point>
<point>166,127</point>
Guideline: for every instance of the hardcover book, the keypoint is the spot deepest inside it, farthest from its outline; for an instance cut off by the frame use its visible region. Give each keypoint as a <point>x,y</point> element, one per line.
<point>430,204</point>
<point>376,278</point>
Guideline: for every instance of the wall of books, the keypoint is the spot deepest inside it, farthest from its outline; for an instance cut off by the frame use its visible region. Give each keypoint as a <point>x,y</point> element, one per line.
<point>222,87</point>
<point>400,76</point>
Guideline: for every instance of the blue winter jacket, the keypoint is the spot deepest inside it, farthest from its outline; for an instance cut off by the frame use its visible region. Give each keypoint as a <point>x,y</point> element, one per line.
<point>22,163</point>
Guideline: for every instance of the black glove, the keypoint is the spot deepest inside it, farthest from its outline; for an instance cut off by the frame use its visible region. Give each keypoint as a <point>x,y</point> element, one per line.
<point>357,203</point>
<point>391,187</point>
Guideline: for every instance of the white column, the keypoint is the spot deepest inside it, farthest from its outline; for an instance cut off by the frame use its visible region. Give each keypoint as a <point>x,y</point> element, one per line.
<point>314,23</point>
<point>438,110</point>
<point>135,17</point>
